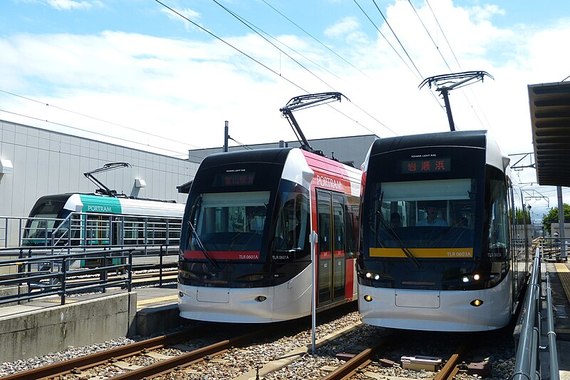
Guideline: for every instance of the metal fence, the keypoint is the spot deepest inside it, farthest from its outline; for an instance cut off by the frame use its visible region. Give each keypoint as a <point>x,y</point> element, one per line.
<point>28,274</point>
<point>90,230</point>
<point>85,252</point>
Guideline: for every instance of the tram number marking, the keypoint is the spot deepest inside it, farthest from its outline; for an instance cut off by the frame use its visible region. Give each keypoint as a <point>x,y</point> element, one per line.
<point>251,256</point>
<point>459,254</point>
<point>280,257</point>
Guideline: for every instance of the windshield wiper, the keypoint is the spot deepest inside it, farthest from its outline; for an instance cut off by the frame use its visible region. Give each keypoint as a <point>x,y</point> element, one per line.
<point>202,248</point>
<point>395,235</point>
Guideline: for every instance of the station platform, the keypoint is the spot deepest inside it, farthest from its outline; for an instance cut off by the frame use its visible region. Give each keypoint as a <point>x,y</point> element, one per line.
<point>559,277</point>
<point>44,325</point>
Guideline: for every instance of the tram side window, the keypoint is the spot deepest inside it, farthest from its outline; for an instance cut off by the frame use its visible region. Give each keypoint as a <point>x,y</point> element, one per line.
<point>339,226</point>
<point>97,229</point>
<point>498,220</point>
<point>352,234</point>
<point>292,227</point>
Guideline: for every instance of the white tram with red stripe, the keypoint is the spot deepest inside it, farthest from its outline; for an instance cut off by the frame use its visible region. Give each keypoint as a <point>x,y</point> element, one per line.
<point>245,254</point>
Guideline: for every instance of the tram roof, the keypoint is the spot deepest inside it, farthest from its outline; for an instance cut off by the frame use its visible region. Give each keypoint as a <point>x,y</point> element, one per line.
<point>550,117</point>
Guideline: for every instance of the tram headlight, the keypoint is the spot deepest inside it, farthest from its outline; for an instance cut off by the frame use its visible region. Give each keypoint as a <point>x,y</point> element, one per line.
<point>372,276</point>
<point>367,298</point>
<point>260,298</point>
<point>476,302</point>
<point>474,277</point>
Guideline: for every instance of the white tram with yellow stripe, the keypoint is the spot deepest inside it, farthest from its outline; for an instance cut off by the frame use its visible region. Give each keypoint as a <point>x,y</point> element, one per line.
<point>436,250</point>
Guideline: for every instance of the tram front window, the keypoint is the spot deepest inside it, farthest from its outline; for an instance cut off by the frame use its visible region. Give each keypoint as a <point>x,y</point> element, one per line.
<point>291,231</point>
<point>425,213</point>
<point>230,221</point>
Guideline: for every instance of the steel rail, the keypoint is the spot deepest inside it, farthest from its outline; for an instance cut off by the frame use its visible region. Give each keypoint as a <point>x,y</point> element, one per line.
<point>184,360</point>
<point>92,360</point>
<point>350,366</point>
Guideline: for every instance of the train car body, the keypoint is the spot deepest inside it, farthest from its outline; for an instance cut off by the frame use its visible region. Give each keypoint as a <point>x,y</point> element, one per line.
<point>95,219</point>
<point>245,249</point>
<point>436,250</point>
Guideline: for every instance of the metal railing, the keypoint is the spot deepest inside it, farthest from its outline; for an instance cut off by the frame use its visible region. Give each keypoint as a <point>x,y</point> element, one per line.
<point>35,273</point>
<point>90,229</point>
<point>528,365</point>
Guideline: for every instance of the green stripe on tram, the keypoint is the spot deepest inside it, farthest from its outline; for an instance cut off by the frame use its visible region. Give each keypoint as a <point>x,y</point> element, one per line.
<point>108,205</point>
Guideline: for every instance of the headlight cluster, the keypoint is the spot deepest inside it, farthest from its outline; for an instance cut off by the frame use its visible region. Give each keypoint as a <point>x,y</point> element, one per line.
<point>372,276</point>
<point>471,278</point>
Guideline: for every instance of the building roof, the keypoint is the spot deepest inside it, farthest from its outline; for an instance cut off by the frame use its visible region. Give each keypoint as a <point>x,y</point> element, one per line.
<point>550,117</point>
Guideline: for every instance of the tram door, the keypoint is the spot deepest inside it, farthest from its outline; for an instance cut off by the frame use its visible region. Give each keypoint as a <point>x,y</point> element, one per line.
<point>331,253</point>
<point>339,259</point>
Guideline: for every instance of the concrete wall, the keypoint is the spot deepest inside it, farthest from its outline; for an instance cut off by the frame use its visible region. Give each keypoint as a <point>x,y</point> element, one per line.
<point>33,333</point>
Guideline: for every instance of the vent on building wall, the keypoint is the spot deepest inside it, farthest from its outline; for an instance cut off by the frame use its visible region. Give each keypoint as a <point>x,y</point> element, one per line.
<point>6,167</point>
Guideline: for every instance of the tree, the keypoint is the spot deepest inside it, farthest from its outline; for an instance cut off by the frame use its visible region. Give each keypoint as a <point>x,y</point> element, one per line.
<point>552,217</point>
<point>522,216</point>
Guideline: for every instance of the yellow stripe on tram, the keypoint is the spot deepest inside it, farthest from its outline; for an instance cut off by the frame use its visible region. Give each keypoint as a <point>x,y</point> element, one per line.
<point>427,253</point>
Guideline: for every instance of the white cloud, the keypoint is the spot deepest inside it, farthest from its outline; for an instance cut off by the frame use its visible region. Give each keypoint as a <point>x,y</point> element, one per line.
<point>184,90</point>
<point>347,28</point>
<point>187,13</point>
<point>73,4</point>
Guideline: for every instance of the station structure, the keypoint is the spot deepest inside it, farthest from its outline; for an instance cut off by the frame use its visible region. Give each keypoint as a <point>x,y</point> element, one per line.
<point>35,162</point>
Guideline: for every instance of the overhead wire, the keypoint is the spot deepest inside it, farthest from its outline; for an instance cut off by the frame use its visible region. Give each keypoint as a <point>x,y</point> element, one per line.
<point>397,39</point>
<point>230,45</point>
<point>245,22</point>
<point>96,119</point>
<point>253,28</point>
<point>314,38</point>
<point>436,19</point>
<point>130,141</point>
<point>387,40</point>
<point>250,57</point>
<point>417,73</point>
<point>444,35</point>
<point>430,36</point>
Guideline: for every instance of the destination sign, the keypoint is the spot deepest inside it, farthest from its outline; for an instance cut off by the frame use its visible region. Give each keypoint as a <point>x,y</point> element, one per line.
<point>426,165</point>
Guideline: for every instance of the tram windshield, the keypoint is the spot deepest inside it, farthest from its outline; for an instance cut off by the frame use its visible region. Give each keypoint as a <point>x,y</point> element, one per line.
<point>425,214</point>
<point>42,222</point>
<point>230,221</point>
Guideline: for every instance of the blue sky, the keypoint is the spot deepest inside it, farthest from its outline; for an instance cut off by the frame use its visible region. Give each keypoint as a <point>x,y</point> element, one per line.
<point>132,72</point>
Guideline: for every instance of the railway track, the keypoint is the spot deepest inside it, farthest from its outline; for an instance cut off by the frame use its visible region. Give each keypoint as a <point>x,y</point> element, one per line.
<point>119,357</point>
<point>174,353</point>
<point>371,362</point>
<point>345,349</point>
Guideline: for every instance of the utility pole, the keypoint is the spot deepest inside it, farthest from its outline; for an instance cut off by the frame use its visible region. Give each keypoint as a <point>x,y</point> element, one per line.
<point>226,136</point>
<point>561,234</point>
